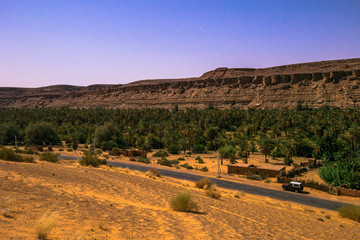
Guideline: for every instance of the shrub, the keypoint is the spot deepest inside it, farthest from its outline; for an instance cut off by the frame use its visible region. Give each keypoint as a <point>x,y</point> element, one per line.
<point>153,173</point>
<point>199,148</point>
<point>186,165</point>
<point>91,159</point>
<point>183,202</point>
<point>254,176</point>
<point>181,159</point>
<point>132,159</point>
<point>212,192</point>
<point>350,211</point>
<point>238,194</point>
<point>173,148</point>
<point>164,161</point>
<point>144,160</point>
<point>204,169</point>
<point>288,161</point>
<point>10,155</point>
<point>49,157</point>
<point>204,183</point>
<point>161,153</point>
<point>199,159</point>
<point>45,224</point>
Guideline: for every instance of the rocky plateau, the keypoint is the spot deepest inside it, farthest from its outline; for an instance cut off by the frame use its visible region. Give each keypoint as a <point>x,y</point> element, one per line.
<point>332,83</point>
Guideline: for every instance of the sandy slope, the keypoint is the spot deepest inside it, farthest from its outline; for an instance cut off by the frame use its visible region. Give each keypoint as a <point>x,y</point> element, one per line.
<point>120,204</point>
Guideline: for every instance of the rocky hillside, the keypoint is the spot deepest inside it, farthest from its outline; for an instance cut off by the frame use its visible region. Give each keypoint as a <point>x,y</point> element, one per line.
<point>333,83</point>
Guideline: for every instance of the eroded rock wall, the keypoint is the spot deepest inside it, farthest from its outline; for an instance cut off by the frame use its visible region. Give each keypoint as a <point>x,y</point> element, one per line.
<point>222,87</point>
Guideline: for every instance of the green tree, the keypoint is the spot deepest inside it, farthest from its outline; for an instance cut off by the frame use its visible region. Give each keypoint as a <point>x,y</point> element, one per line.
<point>266,146</point>
<point>228,152</point>
<point>41,133</point>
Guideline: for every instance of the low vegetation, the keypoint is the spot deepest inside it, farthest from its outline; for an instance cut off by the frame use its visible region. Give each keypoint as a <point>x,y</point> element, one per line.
<point>350,211</point>
<point>49,157</point>
<point>153,173</point>
<point>10,155</point>
<point>213,192</point>
<point>90,159</point>
<point>160,154</point>
<point>45,225</point>
<point>183,202</point>
<point>204,183</point>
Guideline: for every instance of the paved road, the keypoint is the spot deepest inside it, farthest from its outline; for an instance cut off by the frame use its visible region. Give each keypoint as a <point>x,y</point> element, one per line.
<point>301,198</point>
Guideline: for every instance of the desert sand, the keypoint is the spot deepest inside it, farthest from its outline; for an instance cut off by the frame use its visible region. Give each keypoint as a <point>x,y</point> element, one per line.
<point>108,203</point>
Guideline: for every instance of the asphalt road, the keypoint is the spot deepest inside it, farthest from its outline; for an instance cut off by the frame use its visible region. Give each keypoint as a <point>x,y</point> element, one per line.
<point>301,198</point>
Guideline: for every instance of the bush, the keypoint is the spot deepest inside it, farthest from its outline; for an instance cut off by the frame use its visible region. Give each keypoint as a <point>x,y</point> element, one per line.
<point>49,157</point>
<point>164,161</point>
<point>91,159</point>
<point>198,148</point>
<point>204,183</point>
<point>212,192</point>
<point>181,159</point>
<point>183,202</point>
<point>173,148</point>
<point>10,155</point>
<point>143,160</point>
<point>161,153</point>
<point>204,169</point>
<point>153,173</point>
<point>132,159</point>
<point>199,159</point>
<point>350,211</point>
<point>288,160</point>
<point>186,165</point>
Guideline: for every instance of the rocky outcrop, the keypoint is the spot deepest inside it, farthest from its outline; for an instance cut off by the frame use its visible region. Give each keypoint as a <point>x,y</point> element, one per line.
<point>332,83</point>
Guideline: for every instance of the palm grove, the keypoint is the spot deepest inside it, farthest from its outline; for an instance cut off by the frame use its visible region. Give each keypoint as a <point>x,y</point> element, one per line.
<point>331,134</point>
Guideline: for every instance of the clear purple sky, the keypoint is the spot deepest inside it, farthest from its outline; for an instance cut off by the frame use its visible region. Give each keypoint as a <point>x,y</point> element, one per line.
<point>111,42</point>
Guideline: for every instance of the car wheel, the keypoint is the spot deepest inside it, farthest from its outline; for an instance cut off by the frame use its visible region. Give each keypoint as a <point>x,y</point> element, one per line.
<point>296,190</point>
<point>284,188</point>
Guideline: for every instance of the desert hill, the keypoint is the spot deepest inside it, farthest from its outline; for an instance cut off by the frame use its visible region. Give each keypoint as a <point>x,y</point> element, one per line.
<point>332,83</point>
<point>109,203</point>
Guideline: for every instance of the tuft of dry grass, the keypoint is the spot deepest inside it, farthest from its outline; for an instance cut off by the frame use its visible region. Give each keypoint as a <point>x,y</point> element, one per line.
<point>45,224</point>
<point>153,173</point>
<point>212,192</point>
<point>183,202</point>
<point>350,211</point>
<point>204,183</point>
<point>239,194</point>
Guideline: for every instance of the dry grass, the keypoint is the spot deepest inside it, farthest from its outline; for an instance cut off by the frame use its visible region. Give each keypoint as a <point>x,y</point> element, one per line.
<point>239,194</point>
<point>350,211</point>
<point>153,173</point>
<point>204,183</point>
<point>45,225</point>
<point>183,202</point>
<point>213,192</point>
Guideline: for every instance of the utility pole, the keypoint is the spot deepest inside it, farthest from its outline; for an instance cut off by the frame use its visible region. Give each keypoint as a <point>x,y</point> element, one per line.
<point>219,170</point>
<point>15,142</point>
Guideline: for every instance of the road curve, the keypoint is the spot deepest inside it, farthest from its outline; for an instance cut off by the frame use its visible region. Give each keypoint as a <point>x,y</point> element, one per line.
<point>251,189</point>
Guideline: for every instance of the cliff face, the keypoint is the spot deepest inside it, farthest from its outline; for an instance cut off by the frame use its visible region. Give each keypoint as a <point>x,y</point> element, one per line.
<point>331,83</point>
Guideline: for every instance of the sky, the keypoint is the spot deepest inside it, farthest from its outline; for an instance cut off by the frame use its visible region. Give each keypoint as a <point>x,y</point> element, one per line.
<point>88,42</point>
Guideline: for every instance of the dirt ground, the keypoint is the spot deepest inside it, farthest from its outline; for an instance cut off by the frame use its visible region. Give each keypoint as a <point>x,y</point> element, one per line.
<point>107,203</point>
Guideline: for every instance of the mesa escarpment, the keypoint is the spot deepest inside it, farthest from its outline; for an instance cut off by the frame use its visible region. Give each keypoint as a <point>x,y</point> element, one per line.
<point>332,83</point>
